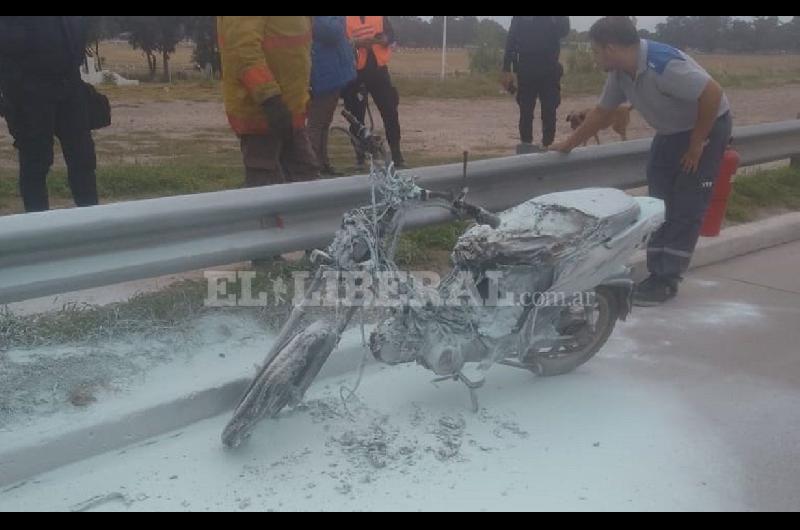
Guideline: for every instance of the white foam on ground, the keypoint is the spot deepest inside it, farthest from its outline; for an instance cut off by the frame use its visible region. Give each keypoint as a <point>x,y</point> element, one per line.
<point>590,441</point>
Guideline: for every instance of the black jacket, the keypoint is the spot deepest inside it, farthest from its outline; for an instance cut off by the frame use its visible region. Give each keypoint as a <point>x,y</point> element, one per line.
<point>534,45</point>
<point>42,47</point>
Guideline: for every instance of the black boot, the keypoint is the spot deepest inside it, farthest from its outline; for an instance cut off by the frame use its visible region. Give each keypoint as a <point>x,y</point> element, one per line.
<point>655,291</point>
<point>397,157</point>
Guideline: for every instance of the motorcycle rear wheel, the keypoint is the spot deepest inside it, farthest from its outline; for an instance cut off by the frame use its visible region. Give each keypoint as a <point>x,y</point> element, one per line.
<point>588,340</point>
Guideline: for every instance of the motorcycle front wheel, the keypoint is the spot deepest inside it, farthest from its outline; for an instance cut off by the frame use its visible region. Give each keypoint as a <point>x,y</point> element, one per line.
<point>283,381</point>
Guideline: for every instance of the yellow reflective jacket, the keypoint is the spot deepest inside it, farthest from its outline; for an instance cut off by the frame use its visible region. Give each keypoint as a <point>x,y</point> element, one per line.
<point>264,57</point>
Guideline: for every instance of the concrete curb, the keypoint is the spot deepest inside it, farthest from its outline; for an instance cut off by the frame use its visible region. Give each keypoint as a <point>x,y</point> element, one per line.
<point>21,463</point>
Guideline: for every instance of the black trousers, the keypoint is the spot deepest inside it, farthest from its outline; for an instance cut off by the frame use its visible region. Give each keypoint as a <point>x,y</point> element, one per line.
<point>547,91</point>
<point>376,82</point>
<point>686,196</point>
<point>37,111</point>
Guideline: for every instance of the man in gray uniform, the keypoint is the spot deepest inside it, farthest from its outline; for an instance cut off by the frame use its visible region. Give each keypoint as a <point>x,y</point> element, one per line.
<point>692,118</point>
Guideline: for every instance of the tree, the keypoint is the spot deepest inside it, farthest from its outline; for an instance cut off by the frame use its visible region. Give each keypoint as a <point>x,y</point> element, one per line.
<point>461,31</point>
<point>412,32</point>
<point>741,37</point>
<point>153,35</point>
<point>647,34</point>
<point>170,30</point>
<point>676,31</point>
<point>488,56</point>
<point>710,31</point>
<point>203,30</point>
<point>793,34</point>
<point>492,32</point>
<point>767,33</point>
<point>143,36</point>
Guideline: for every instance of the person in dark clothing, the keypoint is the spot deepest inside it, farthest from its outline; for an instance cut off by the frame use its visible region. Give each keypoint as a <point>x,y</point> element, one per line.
<point>40,58</point>
<point>373,38</point>
<point>533,50</point>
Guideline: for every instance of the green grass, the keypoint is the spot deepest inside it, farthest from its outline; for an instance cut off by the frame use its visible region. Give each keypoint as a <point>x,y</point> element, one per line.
<point>422,247</point>
<point>145,313</point>
<point>148,313</point>
<point>191,167</point>
<point>763,79</point>
<point>173,167</point>
<point>119,183</point>
<point>462,87</point>
<point>8,190</point>
<point>173,308</point>
<point>573,84</point>
<point>768,190</point>
<point>487,85</point>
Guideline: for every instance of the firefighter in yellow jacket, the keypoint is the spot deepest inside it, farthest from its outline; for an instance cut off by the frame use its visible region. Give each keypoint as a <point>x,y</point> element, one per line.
<point>266,64</point>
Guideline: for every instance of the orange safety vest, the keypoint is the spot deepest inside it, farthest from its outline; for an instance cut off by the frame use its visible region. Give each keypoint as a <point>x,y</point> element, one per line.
<point>371,26</point>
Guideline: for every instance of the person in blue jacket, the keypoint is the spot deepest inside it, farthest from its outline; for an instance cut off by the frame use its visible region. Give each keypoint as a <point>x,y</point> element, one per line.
<point>333,67</point>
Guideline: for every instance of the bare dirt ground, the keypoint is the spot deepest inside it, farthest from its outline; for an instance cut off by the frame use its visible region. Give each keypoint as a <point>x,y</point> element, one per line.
<point>491,125</point>
<point>440,127</point>
<point>432,128</point>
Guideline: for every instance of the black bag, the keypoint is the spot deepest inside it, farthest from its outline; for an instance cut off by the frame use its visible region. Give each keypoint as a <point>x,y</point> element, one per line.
<point>3,105</point>
<point>98,107</point>
<point>7,112</point>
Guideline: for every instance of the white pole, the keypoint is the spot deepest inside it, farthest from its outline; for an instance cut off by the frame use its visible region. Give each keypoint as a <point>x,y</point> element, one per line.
<point>444,50</point>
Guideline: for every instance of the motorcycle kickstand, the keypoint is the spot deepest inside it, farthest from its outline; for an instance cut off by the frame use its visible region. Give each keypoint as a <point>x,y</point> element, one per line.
<point>472,386</point>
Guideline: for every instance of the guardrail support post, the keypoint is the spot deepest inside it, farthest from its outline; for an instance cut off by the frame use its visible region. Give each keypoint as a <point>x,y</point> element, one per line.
<point>795,163</point>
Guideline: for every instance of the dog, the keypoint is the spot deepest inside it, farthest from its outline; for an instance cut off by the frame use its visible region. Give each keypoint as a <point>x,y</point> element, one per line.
<point>619,121</point>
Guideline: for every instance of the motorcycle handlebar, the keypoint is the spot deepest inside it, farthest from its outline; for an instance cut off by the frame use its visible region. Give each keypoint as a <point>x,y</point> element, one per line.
<point>481,215</point>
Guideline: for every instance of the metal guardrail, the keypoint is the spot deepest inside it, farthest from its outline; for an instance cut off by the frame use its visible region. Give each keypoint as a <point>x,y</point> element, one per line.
<point>62,251</point>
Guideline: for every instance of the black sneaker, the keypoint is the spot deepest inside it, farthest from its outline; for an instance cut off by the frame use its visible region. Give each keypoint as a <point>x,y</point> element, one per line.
<point>398,159</point>
<point>655,291</point>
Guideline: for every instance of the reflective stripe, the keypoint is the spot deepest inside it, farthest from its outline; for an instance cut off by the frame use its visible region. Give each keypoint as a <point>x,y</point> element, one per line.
<point>256,77</point>
<point>258,125</point>
<point>678,253</point>
<point>288,41</point>
<point>364,32</point>
<point>670,251</point>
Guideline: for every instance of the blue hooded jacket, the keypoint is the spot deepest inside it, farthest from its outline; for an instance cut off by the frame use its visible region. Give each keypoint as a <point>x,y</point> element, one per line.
<point>333,62</point>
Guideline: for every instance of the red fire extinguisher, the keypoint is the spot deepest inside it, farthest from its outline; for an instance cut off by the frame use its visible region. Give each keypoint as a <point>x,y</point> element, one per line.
<point>712,226</point>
